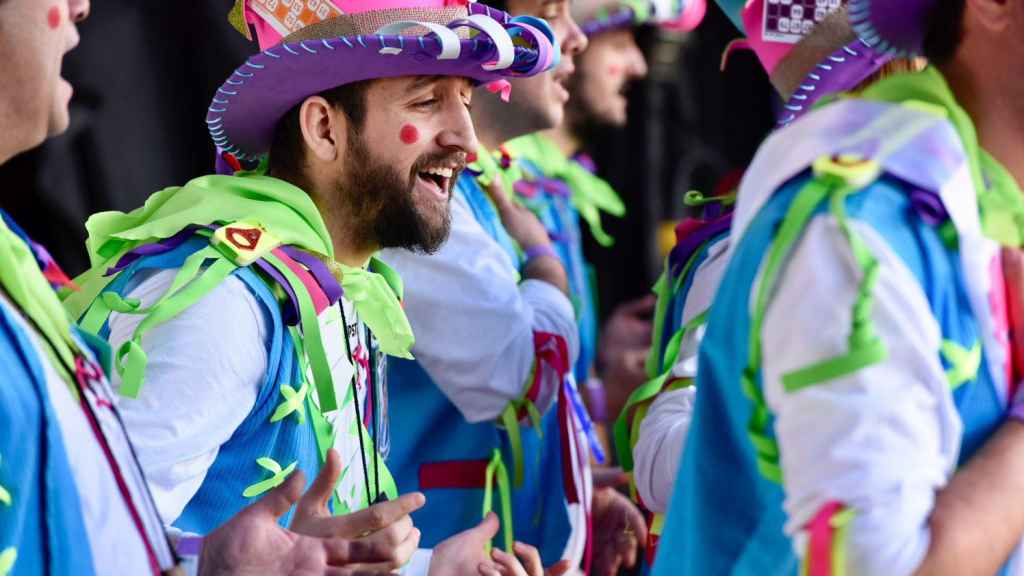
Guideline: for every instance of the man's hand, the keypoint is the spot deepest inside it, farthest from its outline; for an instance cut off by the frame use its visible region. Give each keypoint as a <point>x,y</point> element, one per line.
<point>385,527</point>
<point>622,352</point>
<point>526,562</point>
<point>254,544</point>
<point>527,230</point>
<point>521,224</point>
<point>619,531</point>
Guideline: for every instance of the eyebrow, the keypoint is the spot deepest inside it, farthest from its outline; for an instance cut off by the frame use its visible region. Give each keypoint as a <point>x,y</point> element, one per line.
<point>421,81</point>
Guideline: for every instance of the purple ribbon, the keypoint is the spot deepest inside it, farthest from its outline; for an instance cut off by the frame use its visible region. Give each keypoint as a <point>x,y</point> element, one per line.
<point>685,248</point>
<point>160,247</point>
<point>929,207</point>
<point>328,283</point>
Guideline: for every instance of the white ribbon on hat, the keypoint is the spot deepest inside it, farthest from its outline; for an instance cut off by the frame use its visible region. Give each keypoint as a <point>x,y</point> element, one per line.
<point>502,41</point>
<point>451,45</point>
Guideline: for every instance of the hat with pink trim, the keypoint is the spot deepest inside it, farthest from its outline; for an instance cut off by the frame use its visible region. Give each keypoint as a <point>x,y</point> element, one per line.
<point>774,29</point>
<point>310,46</point>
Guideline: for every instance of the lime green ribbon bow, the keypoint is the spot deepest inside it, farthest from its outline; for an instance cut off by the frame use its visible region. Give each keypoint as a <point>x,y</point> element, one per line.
<point>591,195</point>
<point>1000,202</point>
<point>376,295</point>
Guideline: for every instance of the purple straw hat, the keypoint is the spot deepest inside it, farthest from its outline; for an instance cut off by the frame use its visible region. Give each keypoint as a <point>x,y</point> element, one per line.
<point>895,27</point>
<point>309,46</point>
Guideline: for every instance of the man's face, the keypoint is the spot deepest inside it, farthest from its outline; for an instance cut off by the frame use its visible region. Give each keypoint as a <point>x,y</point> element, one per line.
<point>401,166</point>
<point>540,100</point>
<point>34,36</point>
<point>611,62</point>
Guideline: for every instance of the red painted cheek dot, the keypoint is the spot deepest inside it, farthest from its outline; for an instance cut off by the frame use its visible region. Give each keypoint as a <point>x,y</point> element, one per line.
<point>409,134</point>
<point>471,157</point>
<point>53,17</point>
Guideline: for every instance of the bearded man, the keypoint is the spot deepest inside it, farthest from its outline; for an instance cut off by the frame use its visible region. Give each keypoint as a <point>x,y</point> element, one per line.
<point>250,317</point>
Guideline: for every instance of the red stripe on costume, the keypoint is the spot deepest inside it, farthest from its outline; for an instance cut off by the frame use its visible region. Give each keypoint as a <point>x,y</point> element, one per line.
<point>822,533</point>
<point>457,474</point>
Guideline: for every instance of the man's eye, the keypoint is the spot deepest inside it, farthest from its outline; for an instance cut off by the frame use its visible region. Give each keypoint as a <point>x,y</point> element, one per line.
<point>426,103</point>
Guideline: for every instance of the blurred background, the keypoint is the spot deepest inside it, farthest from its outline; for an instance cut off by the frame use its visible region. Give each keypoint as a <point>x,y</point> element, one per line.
<point>146,70</point>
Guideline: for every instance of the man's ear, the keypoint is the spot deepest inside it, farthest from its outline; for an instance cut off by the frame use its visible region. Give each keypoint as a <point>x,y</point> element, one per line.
<point>323,128</point>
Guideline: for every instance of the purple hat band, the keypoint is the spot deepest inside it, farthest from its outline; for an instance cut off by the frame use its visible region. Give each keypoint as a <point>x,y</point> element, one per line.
<point>623,18</point>
<point>895,27</point>
<point>843,70</point>
<point>247,107</point>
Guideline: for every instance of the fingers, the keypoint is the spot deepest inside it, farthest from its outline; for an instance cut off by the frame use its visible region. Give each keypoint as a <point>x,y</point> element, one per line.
<point>609,477</point>
<point>635,521</point>
<point>559,568</point>
<point>488,528</point>
<point>509,565</point>
<point>380,516</point>
<point>279,500</point>
<point>530,558</point>
<point>498,196</point>
<point>488,569</point>
<point>314,501</point>
<point>639,307</point>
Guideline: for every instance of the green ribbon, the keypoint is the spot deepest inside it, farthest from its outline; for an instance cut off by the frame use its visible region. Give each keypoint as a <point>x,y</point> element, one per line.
<point>5,496</point>
<point>1000,202</point>
<point>488,165</point>
<point>31,293</point>
<point>292,403</point>
<point>376,295</point>
<point>7,559</point>
<point>591,195</point>
<point>963,363</point>
<point>496,471</point>
<point>278,476</point>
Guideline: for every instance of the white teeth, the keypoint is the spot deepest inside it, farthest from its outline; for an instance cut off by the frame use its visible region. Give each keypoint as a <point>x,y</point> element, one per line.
<point>442,172</point>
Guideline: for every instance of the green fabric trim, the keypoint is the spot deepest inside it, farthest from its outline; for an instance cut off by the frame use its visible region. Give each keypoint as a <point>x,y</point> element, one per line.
<point>663,296</point>
<point>841,523</point>
<point>30,292</point>
<point>489,166</point>
<point>275,204</point>
<point>1001,203</point>
<point>591,194</point>
<point>294,401</point>
<point>310,334</point>
<point>7,559</point>
<point>834,182</point>
<point>278,476</point>
<point>376,298</point>
<point>496,471</point>
<point>131,358</point>
<point>963,363</point>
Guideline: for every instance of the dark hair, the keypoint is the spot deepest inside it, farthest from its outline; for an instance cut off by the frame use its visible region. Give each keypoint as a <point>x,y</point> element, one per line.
<point>945,31</point>
<point>496,4</point>
<point>287,150</point>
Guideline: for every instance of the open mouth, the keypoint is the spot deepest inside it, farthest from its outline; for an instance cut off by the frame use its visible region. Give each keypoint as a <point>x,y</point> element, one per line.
<point>438,180</point>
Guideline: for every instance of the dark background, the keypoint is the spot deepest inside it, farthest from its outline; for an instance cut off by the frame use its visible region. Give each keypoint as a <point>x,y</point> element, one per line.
<point>146,70</point>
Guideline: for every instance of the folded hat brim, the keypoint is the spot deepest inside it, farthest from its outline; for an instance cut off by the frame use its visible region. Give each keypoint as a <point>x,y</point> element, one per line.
<point>246,109</point>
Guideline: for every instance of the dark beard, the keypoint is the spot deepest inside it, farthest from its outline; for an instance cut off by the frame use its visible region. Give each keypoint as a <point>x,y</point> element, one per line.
<point>381,202</point>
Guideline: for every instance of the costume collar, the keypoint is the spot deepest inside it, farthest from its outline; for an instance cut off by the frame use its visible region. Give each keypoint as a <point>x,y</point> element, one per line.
<point>1000,202</point>
<point>591,194</point>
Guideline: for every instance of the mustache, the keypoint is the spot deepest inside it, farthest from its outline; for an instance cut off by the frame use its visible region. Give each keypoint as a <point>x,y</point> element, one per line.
<point>456,159</point>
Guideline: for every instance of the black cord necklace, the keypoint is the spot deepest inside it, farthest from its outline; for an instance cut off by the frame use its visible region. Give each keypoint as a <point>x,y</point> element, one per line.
<point>371,497</point>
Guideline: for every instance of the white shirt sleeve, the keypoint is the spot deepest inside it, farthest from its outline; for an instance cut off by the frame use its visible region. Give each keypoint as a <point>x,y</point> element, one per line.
<point>880,441</point>
<point>204,372</point>
<point>660,446</point>
<point>474,324</point>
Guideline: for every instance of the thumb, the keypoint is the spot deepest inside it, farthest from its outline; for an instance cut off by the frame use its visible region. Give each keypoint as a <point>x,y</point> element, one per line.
<point>485,530</point>
<point>279,500</point>
<point>315,499</point>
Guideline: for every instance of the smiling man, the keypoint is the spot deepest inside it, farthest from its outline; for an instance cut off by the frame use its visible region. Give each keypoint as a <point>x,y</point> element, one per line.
<point>491,387</point>
<point>250,318</point>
